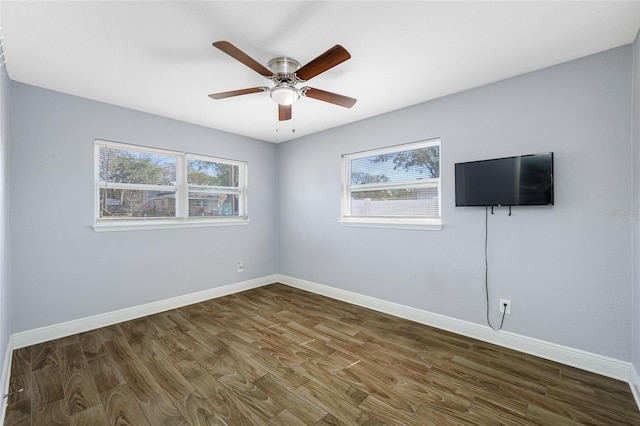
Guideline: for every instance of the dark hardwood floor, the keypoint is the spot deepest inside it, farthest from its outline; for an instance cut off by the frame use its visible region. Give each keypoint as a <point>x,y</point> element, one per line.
<point>281,356</point>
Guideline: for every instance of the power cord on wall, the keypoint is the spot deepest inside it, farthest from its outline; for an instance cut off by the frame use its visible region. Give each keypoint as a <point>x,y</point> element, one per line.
<point>486,267</point>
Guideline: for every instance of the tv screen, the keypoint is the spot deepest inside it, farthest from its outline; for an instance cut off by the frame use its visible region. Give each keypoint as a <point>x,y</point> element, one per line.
<point>525,180</point>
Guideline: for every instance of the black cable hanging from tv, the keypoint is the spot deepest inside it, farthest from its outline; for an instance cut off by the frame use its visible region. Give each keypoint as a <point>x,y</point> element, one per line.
<point>486,265</point>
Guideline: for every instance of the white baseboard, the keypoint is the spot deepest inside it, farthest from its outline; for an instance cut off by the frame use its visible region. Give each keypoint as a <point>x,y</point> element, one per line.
<point>588,361</point>
<point>634,382</point>
<point>595,363</point>
<point>56,331</point>
<point>4,378</point>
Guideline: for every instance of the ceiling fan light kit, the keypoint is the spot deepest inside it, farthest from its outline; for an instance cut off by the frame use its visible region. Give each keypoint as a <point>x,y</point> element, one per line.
<point>285,95</point>
<point>286,73</point>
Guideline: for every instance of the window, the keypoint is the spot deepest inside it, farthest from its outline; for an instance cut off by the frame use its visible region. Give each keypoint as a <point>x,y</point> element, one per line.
<point>397,186</point>
<point>138,187</point>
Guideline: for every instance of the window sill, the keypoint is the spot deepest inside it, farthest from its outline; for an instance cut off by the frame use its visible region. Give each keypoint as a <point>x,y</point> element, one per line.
<point>393,223</point>
<point>137,225</point>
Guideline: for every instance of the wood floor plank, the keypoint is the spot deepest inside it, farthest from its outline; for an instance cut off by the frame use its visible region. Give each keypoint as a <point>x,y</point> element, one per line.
<point>21,361</point>
<point>433,392</point>
<point>147,349</point>
<point>105,373</point>
<point>108,333</point>
<point>18,413</point>
<point>120,350</point>
<point>386,413</point>
<point>542,416</point>
<point>198,411</point>
<point>71,358</point>
<point>233,410</point>
<point>277,355</point>
<point>465,378</point>
<point>66,340</point>
<point>139,380</point>
<point>499,375</point>
<point>300,407</point>
<point>94,416</point>
<point>138,329</point>
<point>212,361</point>
<point>204,323</point>
<point>172,349</point>
<point>19,388</point>
<point>428,415</point>
<point>92,344</point>
<point>284,372</point>
<point>80,391</point>
<point>55,414</point>
<point>485,409</point>
<point>377,382</point>
<point>331,383</point>
<point>161,411</point>
<point>263,405</point>
<point>211,342</point>
<point>345,411</point>
<point>43,355</point>
<point>204,383</point>
<point>47,387</point>
<point>238,344</point>
<point>180,321</point>
<point>596,405</point>
<point>169,378</point>
<point>238,364</point>
<point>393,359</point>
<point>122,408</point>
<point>285,418</point>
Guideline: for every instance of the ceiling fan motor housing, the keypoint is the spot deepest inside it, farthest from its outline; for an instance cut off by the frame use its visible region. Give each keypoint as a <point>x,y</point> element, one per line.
<point>283,65</point>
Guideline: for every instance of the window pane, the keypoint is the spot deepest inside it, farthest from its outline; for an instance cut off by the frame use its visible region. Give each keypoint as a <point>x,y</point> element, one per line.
<point>396,202</point>
<point>213,204</point>
<point>131,166</point>
<point>208,173</point>
<point>132,203</point>
<point>400,166</point>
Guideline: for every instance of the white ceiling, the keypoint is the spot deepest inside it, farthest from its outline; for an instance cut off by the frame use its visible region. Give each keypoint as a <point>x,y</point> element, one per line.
<point>157,57</point>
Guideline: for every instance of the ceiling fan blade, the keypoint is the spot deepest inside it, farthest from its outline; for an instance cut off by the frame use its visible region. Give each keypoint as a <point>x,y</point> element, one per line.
<point>239,55</point>
<point>284,112</point>
<point>329,59</point>
<point>232,93</point>
<point>332,98</point>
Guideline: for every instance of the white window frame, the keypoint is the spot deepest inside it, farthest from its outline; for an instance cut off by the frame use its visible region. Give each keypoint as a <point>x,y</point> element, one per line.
<point>399,222</point>
<point>182,218</point>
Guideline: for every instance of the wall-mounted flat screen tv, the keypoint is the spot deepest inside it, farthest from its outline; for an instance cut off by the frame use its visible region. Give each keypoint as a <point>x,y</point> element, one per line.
<point>525,180</point>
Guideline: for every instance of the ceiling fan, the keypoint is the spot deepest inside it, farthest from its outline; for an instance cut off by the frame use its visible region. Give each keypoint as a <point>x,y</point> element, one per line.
<point>286,73</point>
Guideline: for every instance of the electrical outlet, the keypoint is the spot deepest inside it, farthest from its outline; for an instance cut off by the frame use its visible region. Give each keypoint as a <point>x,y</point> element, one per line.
<point>240,267</point>
<point>505,305</point>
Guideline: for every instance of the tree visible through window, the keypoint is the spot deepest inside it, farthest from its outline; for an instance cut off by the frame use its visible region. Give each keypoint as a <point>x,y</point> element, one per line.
<point>129,180</point>
<point>397,183</point>
<point>212,187</point>
<point>144,183</point>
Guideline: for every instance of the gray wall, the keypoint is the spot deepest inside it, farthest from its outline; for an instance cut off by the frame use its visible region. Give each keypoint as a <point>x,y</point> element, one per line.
<point>5,282</point>
<point>61,269</point>
<point>636,217</point>
<point>566,268</point>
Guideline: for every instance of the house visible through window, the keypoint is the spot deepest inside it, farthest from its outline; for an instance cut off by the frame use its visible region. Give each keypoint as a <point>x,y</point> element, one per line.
<point>137,184</point>
<point>397,186</point>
